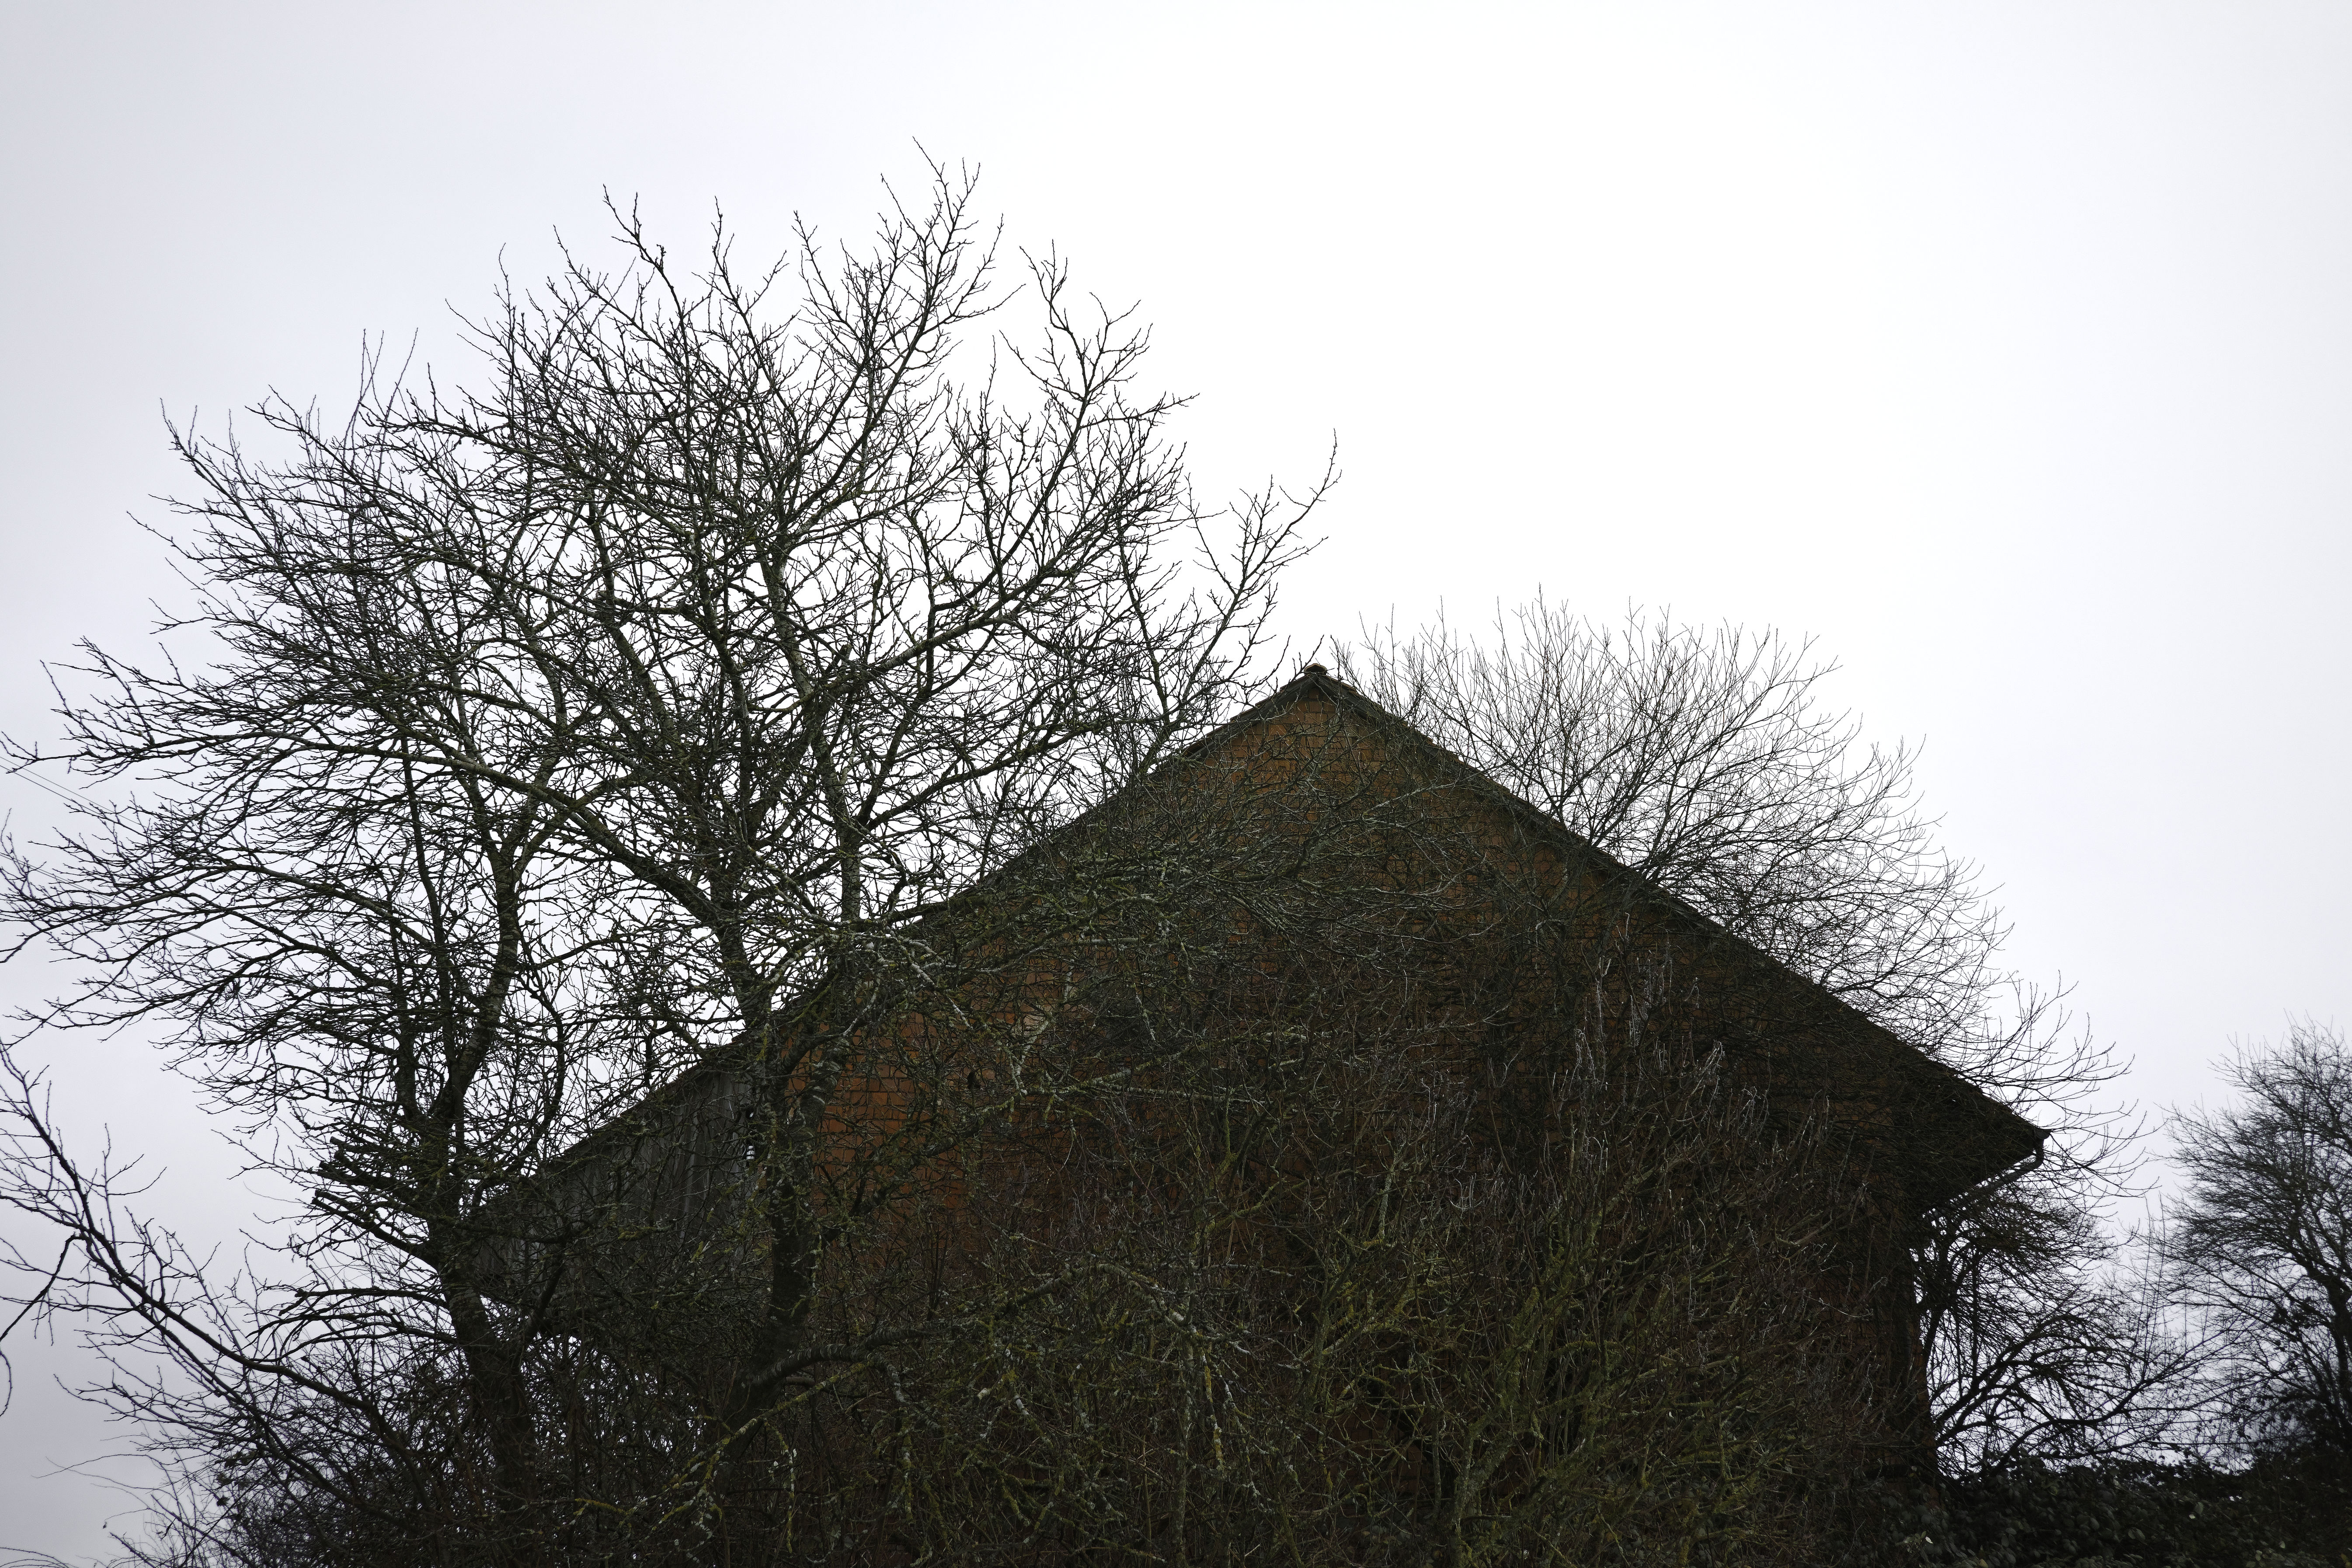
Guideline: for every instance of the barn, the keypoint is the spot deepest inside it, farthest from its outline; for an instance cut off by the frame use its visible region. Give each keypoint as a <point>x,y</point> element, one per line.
<point>1315,1070</point>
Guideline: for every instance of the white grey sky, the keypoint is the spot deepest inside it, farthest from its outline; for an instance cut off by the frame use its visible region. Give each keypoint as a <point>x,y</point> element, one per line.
<point>2006,349</point>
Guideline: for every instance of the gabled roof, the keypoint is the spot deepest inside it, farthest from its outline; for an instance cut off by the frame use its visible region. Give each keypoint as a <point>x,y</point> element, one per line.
<point>1960,1136</point>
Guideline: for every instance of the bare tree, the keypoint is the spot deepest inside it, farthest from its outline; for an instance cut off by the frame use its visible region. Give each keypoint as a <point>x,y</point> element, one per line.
<point>2263,1240</point>
<point>531,742</point>
<point>2048,1339</point>
<point>1704,763</point>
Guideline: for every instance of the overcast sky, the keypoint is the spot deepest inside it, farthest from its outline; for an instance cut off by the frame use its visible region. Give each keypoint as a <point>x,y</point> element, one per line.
<point>2000,348</point>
